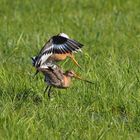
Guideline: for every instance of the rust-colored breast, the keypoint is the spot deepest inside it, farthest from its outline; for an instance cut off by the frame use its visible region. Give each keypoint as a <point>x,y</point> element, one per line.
<point>58,57</point>
<point>66,82</point>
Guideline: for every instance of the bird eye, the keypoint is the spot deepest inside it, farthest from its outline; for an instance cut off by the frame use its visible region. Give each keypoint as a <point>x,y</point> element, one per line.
<point>71,72</point>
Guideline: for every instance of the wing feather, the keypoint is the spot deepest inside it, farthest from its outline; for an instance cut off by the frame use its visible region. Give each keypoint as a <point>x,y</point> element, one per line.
<point>57,45</point>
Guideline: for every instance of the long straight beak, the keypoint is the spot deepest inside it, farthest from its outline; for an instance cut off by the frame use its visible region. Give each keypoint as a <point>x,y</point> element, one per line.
<point>78,77</point>
<point>75,62</point>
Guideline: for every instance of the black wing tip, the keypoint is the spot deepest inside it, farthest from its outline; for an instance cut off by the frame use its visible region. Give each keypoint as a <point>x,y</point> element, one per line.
<point>78,44</point>
<point>81,45</point>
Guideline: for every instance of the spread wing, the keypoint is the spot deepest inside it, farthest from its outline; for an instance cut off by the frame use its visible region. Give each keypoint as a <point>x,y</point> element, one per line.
<point>57,45</point>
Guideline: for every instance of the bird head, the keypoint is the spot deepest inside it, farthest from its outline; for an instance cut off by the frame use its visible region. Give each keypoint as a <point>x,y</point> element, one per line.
<point>71,73</point>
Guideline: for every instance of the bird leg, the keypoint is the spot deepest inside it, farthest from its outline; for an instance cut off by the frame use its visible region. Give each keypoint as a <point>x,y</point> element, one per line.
<point>46,90</point>
<point>49,92</point>
<point>75,62</point>
<point>36,73</point>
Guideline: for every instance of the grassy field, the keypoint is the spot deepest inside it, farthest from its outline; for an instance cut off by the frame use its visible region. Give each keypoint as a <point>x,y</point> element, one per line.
<point>109,109</point>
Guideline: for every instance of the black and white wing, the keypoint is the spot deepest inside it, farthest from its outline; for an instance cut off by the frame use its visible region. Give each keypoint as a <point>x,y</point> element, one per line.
<point>59,44</point>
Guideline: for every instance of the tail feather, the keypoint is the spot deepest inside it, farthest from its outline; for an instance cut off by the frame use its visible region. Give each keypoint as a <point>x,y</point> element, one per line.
<point>34,60</point>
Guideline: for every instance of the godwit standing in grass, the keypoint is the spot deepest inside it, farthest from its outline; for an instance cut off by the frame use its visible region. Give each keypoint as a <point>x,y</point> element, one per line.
<point>58,48</point>
<point>55,77</point>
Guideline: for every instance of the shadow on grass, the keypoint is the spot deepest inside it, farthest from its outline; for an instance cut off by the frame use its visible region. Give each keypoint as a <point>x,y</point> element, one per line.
<point>28,95</point>
<point>21,97</point>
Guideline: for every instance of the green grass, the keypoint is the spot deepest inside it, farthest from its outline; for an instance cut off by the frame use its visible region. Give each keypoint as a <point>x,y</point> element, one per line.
<point>109,109</point>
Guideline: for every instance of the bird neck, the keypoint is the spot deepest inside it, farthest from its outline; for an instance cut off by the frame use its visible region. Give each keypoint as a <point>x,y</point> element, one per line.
<point>67,81</point>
